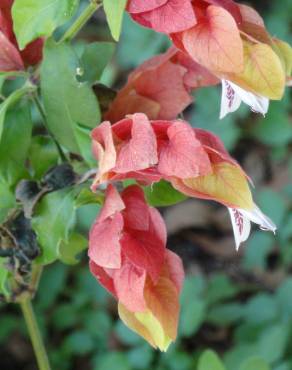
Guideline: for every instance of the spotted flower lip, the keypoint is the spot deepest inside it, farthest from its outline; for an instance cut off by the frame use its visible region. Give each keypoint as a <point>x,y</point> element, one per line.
<point>233,95</point>
<point>241,222</point>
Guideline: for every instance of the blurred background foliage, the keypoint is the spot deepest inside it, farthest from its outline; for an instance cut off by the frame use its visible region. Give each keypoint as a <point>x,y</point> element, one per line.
<point>239,305</point>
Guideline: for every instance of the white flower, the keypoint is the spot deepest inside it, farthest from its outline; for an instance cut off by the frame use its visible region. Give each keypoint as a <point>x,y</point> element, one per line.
<point>241,223</point>
<point>233,95</point>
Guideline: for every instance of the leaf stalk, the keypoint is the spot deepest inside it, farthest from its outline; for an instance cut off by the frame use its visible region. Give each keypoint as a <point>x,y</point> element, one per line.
<point>84,17</point>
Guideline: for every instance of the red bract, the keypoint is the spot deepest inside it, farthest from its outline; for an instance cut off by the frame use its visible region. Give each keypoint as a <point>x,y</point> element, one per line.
<point>228,5</point>
<point>127,149</point>
<point>193,160</point>
<point>157,88</point>
<point>163,16</point>
<point>196,75</point>
<point>158,322</point>
<point>160,87</point>
<point>11,57</point>
<point>127,243</point>
<point>148,151</point>
<point>134,231</point>
<point>215,42</point>
<point>151,150</point>
<point>128,256</point>
<point>181,154</point>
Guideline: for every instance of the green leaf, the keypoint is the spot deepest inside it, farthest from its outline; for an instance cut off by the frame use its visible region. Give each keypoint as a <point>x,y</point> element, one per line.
<point>84,143</point>
<point>9,323</point>
<point>284,297</point>
<point>220,288</point>
<point>114,10</point>
<point>273,204</point>
<point>140,357</point>
<point>54,217</point>
<point>275,128</point>
<point>162,194</point>
<point>86,216</point>
<point>286,230</point>
<point>90,290</point>
<point>238,355</point>
<point>14,145</point>
<point>69,250</point>
<point>100,319</point>
<point>258,247</point>
<point>68,103</point>
<point>86,197</point>
<point>112,360</point>
<point>207,115</point>
<point>139,42</point>
<point>65,316</point>
<point>255,363</point>
<point>39,18</point>
<point>284,366</point>
<point>194,287</point>
<point>7,200</point>
<point>261,308</point>
<point>94,59</point>
<point>193,305</point>
<point>80,343</point>
<point>2,80</point>
<point>127,336</point>
<point>273,342</point>
<point>9,102</point>
<point>192,317</point>
<point>43,155</point>
<point>178,360</point>
<point>209,360</point>
<point>4,273</point>
<point>225,314</point>
<point>52,284</point>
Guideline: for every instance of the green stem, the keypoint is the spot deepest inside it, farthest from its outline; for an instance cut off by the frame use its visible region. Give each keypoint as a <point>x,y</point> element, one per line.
<point>35,279</point>
<point>81,20</point>
<point>35,335</point>
<point>43,115</point>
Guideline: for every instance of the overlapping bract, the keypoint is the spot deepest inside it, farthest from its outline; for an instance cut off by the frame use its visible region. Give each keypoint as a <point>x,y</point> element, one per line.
<point>193,160</point>
<point>156,88</point>
<point>160,87</point>
<point>11,57</point>
<point>128,256</point>
<point>163,15</point>
<point>229,40</point>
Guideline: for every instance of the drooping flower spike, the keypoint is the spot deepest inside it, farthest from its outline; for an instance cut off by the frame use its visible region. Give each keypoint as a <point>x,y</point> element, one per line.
<point>194,161</point>
<point>128,256</point>
<point>231,42</point>
<point>11,57</point>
